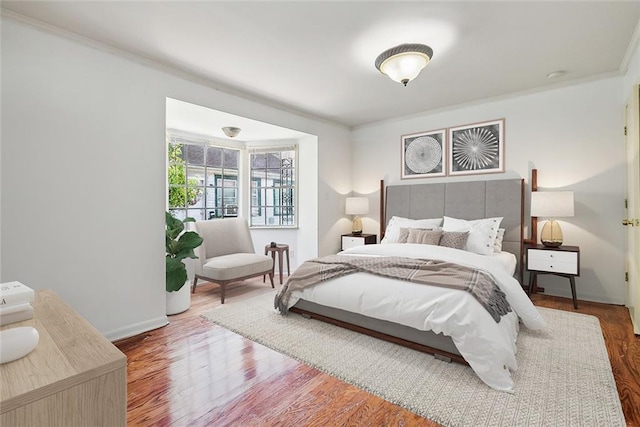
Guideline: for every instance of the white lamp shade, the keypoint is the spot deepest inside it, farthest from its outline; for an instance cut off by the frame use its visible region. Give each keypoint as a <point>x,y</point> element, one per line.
<point>552,204</point>
<point>356,206</point>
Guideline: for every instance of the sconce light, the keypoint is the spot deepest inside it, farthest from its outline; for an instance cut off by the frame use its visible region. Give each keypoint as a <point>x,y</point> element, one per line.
<point>357,206</point>
<point>552,204</point>
<point>403,63</point>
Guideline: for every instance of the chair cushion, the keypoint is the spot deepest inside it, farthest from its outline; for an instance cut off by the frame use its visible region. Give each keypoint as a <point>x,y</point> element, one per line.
<point>233,266</point>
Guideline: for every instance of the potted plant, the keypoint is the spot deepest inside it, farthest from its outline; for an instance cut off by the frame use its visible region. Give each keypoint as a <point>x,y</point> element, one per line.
<point>179,246</point>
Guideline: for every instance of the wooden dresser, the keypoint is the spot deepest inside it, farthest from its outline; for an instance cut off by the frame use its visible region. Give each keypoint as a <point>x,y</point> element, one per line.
<point>74,376</point>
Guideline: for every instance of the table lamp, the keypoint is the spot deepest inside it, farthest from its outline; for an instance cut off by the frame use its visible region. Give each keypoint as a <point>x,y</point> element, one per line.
<point>357,206</point>
<point>552,204</point>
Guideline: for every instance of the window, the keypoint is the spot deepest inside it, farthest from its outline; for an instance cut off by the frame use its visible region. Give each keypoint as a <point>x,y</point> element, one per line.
<point>203,180</point>
<point>273,187</point>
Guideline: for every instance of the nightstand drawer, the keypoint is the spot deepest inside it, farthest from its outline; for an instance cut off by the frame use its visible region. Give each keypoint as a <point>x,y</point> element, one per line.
<point>552,261</point>
<point>351,242</point>
<point>553,266</point>
<point>552,256</point>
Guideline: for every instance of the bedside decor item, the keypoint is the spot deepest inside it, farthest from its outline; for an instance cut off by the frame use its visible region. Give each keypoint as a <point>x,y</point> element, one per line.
<point>423,154</point>
<point>403,63</point>
<point>356,206</point>
<point>552,204</point>
<point>17,342</point>
<point>476,148</point>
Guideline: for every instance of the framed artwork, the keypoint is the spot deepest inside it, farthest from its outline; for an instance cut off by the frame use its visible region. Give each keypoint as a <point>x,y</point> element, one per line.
<point>423,154</point>
<point>476,148</point>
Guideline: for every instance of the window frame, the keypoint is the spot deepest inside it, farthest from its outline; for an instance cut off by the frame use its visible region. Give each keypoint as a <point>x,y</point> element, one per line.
<point>221,172</point>
<point>264,205</point>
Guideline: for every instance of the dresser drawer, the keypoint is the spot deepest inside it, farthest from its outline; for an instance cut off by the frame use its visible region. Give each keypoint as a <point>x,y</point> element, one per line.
<point>552,261</point>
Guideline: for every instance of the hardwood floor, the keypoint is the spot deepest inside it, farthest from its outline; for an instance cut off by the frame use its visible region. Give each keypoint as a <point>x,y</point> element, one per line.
<point>194,373</point>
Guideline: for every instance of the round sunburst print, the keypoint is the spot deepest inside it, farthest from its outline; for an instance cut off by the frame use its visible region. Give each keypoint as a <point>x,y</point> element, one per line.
<point>475,149</point>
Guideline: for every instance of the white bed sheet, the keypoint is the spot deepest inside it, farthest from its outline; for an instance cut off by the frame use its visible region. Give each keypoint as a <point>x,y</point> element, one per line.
<point>489,347</point>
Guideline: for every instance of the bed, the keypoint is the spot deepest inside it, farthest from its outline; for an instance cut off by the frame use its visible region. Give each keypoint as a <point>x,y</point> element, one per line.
<point>450,323</point>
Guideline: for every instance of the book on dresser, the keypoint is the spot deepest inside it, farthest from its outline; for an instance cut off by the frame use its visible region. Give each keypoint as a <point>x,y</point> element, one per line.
<point>15,303</point>
<point>12,293</point>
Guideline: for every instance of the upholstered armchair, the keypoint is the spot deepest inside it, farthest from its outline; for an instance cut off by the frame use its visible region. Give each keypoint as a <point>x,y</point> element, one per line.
<point>227,254</point>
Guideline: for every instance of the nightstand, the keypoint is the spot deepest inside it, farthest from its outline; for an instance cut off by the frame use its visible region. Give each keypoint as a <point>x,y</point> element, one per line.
<point>353,240</point>
<point>562,261</point>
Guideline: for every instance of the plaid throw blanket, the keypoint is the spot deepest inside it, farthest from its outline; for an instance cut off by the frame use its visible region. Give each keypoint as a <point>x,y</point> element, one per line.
<point>425,271</point>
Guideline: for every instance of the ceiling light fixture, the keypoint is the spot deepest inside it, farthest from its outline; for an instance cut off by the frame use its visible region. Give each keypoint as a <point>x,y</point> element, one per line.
<point>231,132</point>
<point>403,63</point>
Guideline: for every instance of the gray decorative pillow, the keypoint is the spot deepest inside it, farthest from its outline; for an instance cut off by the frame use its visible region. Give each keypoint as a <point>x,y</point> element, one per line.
<point>403,235</point>
<point>425,237</point>
<point>454,239</point>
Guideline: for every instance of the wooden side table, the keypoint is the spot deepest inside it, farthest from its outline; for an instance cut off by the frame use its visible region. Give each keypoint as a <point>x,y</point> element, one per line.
<point>280,249</point>
<point>562,261</point>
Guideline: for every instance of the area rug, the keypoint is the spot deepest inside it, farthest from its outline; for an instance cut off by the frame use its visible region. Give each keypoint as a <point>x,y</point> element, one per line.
<point>564,376</point>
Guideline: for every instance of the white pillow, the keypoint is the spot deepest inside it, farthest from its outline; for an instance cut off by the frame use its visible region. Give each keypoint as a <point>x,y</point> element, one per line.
<point>482,232</point>
<point>392,233</point>
<point>497,245</point>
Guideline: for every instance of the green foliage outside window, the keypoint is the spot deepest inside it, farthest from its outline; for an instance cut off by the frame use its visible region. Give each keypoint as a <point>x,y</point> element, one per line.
<point>181,192</point>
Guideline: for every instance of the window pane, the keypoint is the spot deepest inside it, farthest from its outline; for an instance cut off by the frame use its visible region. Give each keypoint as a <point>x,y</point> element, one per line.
<point>288,159</point>
<point>195,154</point>
<point>195,197</point>
<point>231,159</point>
<point>273,160</point>
<point>195,176</point>
<point>258,161</point>
<point>258,176</point>
<point>258,220</point>
<point>271,218</point>
<point>231,178</point>
<point>214,157</point>
<point>273,174</point>
<point>212,175</point>
<point>177,197</point>
<point>176,153</point>
<point>211,197</point>
<point>271,197</point>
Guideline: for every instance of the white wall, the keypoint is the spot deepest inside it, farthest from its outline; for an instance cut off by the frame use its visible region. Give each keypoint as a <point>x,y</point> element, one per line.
<point>84,130</point>
<point>573,137</point>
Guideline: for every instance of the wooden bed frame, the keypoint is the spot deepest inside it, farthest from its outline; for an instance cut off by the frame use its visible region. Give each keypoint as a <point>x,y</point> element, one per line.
<point>459,200</point>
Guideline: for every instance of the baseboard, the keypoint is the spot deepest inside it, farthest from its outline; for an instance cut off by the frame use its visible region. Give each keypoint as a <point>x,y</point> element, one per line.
<point>136,329</point>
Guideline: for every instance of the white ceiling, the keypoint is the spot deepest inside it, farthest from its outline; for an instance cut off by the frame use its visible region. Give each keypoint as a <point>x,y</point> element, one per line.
<point>317,58</point>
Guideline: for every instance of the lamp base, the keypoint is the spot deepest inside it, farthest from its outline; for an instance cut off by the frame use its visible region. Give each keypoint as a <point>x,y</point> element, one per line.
<point>551,235</point>
<point>356,228</point>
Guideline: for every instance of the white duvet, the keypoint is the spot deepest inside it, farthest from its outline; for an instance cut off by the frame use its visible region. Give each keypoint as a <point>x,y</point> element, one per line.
<point>489,347</point>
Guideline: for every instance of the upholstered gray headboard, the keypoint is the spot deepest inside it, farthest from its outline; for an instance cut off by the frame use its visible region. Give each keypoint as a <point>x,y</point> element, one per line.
<point>465,200</point>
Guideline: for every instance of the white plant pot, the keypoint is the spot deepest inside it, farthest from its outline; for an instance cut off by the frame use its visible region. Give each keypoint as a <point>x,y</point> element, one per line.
<point>179,301</point>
